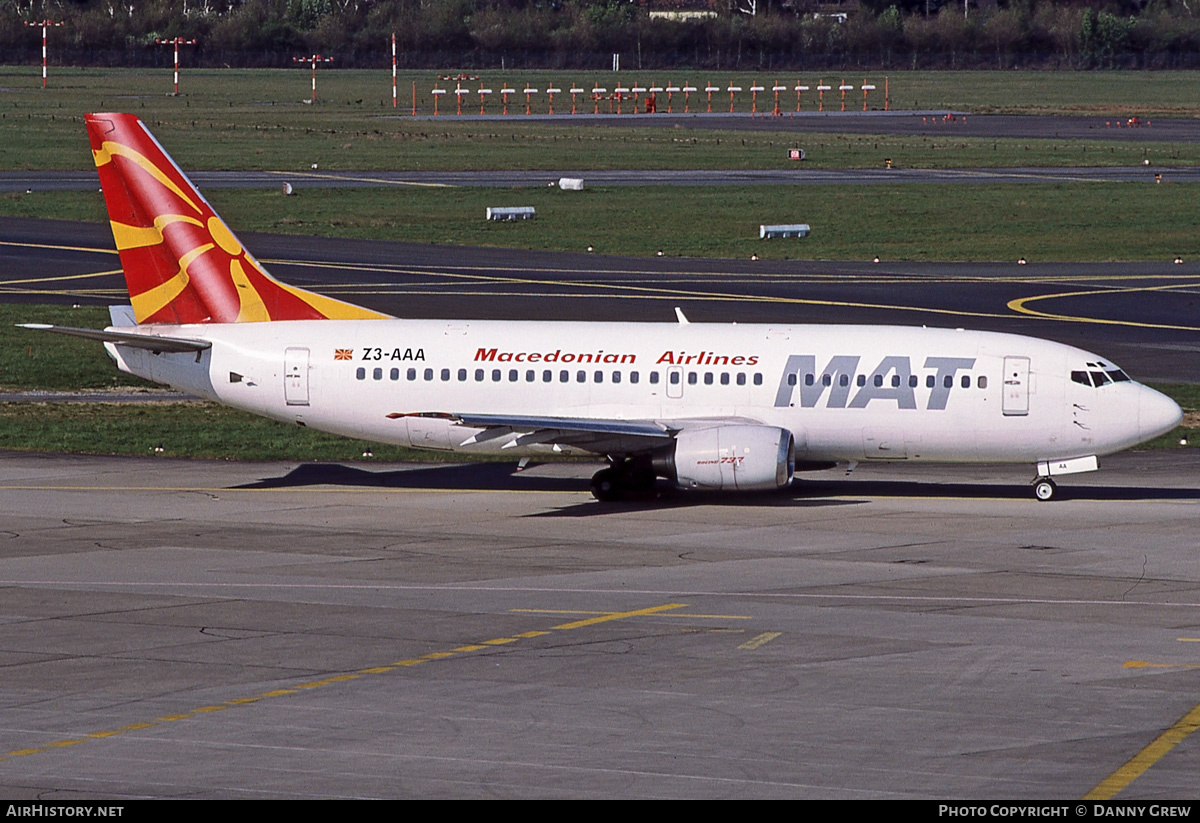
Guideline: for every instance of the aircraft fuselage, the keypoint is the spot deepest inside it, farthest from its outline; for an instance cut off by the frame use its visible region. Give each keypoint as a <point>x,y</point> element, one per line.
<point>844,392</point>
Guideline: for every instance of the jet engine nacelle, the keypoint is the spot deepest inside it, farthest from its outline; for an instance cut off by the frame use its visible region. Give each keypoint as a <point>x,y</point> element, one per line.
<point>741,458</point>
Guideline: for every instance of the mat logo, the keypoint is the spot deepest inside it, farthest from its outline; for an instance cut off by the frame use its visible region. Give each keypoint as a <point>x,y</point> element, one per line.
<point>844,387</point>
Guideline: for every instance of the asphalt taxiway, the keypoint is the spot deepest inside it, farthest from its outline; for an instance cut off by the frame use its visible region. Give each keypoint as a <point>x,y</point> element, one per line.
<point>1142,315</point>
<point>184,629</point>
<point>42,181</point>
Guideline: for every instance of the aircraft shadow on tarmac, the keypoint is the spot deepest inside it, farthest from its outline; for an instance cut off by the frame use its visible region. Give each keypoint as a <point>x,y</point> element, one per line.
<point>450,477</point>
<point>803,493</point>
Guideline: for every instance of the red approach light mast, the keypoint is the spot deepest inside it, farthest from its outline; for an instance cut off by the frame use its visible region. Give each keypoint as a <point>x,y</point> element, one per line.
<point>176,42</point>
<point>313,59</point>
<point>45,24</point>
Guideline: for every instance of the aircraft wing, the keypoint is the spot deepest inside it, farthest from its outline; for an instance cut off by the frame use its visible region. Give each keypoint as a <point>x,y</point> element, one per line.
<point>152,342</point>
<point>597,435</point>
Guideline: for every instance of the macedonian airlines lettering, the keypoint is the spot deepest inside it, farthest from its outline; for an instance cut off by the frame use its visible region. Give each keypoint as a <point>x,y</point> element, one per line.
<point>801,373</point>
<point>670,358</point>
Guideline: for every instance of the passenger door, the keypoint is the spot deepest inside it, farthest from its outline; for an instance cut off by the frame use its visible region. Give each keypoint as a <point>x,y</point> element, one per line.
<point>1016,386</point>
<point>295,376</point>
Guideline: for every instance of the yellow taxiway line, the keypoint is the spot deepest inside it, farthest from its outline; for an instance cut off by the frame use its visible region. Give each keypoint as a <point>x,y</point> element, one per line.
<point>345,677</point>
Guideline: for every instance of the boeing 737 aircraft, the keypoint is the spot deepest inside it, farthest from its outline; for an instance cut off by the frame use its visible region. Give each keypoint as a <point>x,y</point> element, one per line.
<point>704,405</point>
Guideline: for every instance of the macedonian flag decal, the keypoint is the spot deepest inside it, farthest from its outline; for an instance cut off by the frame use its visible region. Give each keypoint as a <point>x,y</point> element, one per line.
<point>182,263</point>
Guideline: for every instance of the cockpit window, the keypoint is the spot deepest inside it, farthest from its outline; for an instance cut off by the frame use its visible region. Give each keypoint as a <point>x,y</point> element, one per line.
<point>1099,378</point>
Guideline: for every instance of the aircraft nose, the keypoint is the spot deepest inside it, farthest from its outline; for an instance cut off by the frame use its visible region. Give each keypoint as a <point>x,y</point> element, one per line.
<point>1157,413</point>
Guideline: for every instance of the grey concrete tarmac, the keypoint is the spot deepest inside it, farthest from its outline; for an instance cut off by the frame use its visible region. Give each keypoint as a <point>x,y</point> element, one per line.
<point>208,630</point>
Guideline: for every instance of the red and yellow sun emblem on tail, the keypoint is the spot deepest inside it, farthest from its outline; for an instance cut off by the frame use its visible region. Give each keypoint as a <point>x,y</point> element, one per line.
<point>182,263</point>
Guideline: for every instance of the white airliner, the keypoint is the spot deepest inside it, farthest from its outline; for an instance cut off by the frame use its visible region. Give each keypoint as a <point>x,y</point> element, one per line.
<point>704,405</point>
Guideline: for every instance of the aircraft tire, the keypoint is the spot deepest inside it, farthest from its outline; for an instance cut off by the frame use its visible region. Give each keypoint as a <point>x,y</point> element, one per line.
<point>606,486</point>
<point>1044,489</point>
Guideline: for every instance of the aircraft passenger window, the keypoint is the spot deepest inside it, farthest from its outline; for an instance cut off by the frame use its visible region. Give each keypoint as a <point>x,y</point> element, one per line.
<point>564,376</point>
<point>1081,377</point>
<point>929,381</point>
<point>377,374</point>
<point>616,378</point>
<point>741,379</point>
<point>394,374</point>
<point>429,374</point>
<point>692,377</point>
<point>599,377</point>
<point>912,381</point>
<point>547,376</point>
<point>948,382</point>
<point>877,380</point>
<point>724,378</point>
<point>966,381</point>
<point>791,379</point>
<point>826,380</point>
<point>844,380</point>
<point>633,377</point>
<point>479,375</point>
<point>513,376</point>
<point>361,374</point>
<point>758,378</point>
<point>495,375</point>
<point>530,376</point>
<point>412,374</point>
<point>708,378</point>
<point>1119,376</point>
<point>673,377</point>
<point>982,381</point>
<point>861,380</point>
<point>445,375</point>
<point>808,380</point>
<point>654,377</point>
<point>580,376</point>
<point>895,381</point>
<point>1100,378</point>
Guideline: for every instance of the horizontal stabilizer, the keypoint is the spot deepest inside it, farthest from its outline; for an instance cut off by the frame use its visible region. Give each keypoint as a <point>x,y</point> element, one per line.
<point>152,342</point>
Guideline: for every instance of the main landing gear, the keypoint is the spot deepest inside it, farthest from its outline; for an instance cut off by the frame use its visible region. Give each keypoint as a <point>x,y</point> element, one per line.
<point>1044,488</point>
<point>622,478</point>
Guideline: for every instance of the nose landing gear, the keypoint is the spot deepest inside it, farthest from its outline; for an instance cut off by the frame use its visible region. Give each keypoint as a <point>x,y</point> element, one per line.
<point>1044,489</point>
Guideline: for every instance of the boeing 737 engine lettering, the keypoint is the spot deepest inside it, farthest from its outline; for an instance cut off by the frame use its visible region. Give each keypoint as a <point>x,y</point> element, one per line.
<point>703,405</point>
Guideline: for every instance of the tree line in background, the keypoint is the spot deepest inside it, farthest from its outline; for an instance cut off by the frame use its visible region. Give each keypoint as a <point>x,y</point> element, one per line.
<point>738,34</point>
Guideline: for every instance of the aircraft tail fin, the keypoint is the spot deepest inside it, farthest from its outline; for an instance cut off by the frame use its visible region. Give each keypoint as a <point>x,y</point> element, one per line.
<point>182,263</point>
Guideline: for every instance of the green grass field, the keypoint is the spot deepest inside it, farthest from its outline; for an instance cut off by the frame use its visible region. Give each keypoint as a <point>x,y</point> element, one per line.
<point>227,119</point>
<point>40,361</point>
<point>190,429</point>
<point>1062,222</point>
<point>1144,93</point>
